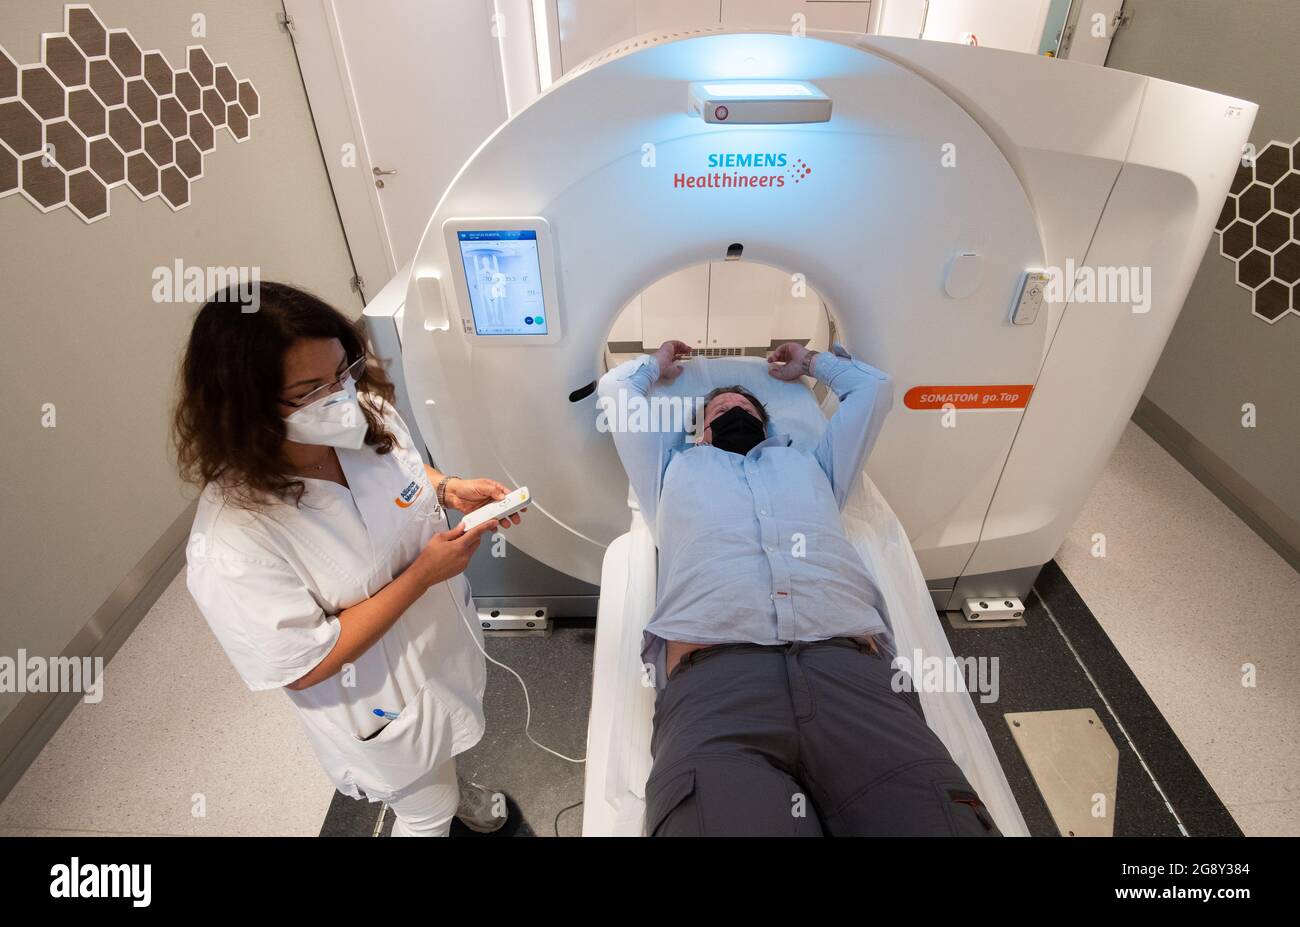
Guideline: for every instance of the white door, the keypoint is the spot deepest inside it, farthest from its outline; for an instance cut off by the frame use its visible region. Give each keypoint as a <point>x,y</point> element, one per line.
<point>405,88</point>
<point>677,307</point>
<point>590,26</point>
<point>838,15</point>
<point>742,303</point>
<point>904,18</point>
<point>1092,32</point>
<point>1016,25</point>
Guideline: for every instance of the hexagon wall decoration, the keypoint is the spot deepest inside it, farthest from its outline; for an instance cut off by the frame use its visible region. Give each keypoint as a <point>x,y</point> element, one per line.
<point>98,112</point>
<point>1259,230</point>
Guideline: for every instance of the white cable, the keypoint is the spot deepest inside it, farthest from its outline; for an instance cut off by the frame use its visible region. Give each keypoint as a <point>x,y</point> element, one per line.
<point>528,705</point>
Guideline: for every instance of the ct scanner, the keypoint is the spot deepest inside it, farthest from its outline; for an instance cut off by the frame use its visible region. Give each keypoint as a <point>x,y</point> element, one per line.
<point>944,175</point>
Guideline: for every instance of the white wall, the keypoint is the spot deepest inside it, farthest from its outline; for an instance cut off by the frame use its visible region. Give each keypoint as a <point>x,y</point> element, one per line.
<point>1016,25</point>
<point>590,26</point>
<point>411,87</point>
<point>1220,356</point>
<point>84,501</point>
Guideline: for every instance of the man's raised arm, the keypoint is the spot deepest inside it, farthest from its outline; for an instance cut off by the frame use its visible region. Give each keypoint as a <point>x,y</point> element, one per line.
<point>645,441</point>
<point>866,395</point>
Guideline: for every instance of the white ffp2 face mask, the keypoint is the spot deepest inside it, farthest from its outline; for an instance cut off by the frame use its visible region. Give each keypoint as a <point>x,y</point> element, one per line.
<point>334,420</point>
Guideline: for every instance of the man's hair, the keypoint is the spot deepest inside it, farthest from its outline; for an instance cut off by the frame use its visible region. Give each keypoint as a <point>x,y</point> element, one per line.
<point>741,391</point>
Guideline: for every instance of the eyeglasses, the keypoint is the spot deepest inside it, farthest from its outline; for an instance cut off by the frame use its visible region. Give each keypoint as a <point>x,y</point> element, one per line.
<point>353,370</point>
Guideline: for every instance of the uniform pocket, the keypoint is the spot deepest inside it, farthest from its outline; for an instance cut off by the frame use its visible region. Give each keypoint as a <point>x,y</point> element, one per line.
<point>408,747</point>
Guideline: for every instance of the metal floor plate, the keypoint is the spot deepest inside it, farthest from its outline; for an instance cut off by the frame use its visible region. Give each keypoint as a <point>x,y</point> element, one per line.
<point>1075,765</point>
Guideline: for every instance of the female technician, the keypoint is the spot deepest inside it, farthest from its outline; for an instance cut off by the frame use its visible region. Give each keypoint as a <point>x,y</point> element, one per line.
<point>321,558</point>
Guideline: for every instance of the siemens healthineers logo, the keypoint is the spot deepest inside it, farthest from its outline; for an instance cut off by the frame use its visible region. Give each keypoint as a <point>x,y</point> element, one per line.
<point>104,880</point>
<point>746,170</point>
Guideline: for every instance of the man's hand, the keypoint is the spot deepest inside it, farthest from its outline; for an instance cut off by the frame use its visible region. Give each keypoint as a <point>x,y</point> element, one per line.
<point>790,361</point>
<point>668,355</point>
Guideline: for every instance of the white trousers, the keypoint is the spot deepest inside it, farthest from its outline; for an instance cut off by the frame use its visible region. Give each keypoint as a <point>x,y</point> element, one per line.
<point>425,808</point>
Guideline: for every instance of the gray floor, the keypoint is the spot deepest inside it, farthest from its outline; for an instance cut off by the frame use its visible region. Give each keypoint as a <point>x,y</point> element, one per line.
<point>1186,592</point>
<point>558,672</point>
<point>539,786</point>
<point>1191,597</point>
<point>179,745</point>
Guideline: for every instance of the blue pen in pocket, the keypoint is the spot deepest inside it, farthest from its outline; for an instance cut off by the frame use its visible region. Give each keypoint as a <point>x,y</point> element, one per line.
<point>390,715</point>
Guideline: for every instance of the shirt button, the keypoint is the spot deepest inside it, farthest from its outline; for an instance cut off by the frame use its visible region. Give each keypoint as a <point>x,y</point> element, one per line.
<point>762,511</point>
<point>770,548</point>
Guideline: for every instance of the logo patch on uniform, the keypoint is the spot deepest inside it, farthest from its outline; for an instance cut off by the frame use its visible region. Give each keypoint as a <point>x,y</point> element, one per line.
<point>408,495</point>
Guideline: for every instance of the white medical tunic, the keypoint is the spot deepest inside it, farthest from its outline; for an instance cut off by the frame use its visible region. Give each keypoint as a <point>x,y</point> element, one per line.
<point>272,581</point>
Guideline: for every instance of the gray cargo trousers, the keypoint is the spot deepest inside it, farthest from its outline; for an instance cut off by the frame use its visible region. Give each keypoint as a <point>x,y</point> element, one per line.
<point>801,739</point>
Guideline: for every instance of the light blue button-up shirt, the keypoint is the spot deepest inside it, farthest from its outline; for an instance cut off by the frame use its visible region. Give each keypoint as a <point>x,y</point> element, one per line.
<point>752,549</point>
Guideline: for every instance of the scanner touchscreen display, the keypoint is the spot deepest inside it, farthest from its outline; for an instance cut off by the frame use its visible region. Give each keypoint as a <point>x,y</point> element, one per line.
<point>504,276</point>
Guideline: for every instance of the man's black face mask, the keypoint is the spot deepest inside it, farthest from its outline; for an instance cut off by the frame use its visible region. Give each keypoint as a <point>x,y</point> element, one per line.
<point>737,431</point>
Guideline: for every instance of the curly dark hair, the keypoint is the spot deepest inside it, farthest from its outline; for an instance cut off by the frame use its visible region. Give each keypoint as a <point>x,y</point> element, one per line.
<point>226,426</point>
